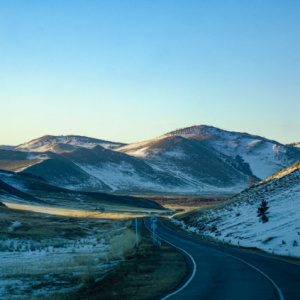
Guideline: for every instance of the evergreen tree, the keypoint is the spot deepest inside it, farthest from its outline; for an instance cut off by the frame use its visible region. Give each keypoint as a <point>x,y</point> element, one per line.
<point>262,211</point>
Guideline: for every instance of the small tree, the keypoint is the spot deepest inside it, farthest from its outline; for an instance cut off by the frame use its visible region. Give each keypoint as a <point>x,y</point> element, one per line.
<point>262,211</point>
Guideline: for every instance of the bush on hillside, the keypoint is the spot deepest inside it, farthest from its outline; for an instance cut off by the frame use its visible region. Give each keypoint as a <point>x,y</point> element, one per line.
<point>262,211</point>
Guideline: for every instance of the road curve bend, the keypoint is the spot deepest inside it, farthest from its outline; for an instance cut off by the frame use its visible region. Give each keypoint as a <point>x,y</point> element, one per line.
<point>219,273</point>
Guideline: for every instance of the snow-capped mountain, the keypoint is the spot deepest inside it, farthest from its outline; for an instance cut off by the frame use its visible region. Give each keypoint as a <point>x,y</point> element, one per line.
<point>196,160</point>
<point>67,143</point>
<point>106,169</point>
<point>236,219</point>
<point>263,156</point>
<point>96,169</point>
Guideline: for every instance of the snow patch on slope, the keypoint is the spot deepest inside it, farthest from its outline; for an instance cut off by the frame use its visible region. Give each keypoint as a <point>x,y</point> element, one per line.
<point>47,143</point>
<point>237,221</point>
<point>121,176</point>
<point>264,156</point>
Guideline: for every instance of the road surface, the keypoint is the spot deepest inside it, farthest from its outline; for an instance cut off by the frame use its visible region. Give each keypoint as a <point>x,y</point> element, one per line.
<point>219,273</point>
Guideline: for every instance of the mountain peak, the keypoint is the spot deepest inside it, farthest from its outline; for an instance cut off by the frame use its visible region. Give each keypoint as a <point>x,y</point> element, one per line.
<point>205,132</point>
<point>52,143</point>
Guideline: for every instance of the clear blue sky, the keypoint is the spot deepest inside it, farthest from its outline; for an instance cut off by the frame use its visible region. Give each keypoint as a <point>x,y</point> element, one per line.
<point>132,70</point>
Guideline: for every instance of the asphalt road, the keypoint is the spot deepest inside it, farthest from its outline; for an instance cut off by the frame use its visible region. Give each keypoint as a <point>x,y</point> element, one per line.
<point>216,272</point>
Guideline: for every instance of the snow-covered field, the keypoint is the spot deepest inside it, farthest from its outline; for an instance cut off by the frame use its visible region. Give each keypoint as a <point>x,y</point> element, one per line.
<point>42,255</point>
<point>236,219</point>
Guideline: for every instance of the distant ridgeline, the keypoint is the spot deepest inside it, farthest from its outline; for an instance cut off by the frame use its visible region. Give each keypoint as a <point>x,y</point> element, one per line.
<point>197,160</point>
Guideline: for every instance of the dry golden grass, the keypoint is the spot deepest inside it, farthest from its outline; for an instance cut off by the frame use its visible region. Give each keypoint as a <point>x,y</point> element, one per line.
<point>70,250</point>
<point>147,272</point>
<point>71,212</point>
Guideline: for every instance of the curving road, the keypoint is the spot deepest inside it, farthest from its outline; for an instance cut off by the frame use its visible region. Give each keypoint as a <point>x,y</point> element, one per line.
<point>219,273</point>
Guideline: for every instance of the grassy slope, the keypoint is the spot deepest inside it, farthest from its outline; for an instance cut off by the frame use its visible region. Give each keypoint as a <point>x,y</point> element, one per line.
<point>7,190</point>
<point>200,161</point>
<point>42,254</point>
<point>37,188</point>
<point>146,273</point>
<point>185,201</point>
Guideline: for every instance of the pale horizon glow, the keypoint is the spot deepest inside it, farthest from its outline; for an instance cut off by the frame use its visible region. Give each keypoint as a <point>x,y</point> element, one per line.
<point>134,70</point>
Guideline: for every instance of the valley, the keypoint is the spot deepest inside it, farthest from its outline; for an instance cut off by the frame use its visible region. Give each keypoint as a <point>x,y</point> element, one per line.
<point>68,203</point>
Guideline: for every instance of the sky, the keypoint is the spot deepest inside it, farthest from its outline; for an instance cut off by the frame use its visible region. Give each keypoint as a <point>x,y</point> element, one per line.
<point>128,71</point>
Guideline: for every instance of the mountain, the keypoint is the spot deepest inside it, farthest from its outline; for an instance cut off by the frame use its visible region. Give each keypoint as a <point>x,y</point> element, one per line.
<point>51,166</point>
<point>5,147</point>
<point>297,145</point>
<point>194,162</point>
<point>64,143</point>
<point>264,157</point>
<point>23,187</point>
<point>237,219</point>
<point>18,161</point>
<point>95,169</point>
<point>120,172</point>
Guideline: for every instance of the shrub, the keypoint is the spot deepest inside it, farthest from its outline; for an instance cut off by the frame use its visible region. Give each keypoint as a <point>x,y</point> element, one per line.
<point>262,211</point>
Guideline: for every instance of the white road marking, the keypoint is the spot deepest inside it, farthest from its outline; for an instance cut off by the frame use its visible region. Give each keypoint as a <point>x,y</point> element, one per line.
<point>194,271</point>
<point>265,275</point>
<point>275,285</point>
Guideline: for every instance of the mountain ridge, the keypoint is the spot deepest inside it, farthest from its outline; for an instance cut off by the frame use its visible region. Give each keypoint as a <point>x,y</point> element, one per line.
<point>194,160</point>
<point>47,142</point>
<point>263,156</point>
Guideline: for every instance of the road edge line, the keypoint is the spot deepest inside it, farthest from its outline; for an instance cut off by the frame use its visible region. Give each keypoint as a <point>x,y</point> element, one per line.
<point>265,275</point>
<point>194,271</point>
<point>235,249</point>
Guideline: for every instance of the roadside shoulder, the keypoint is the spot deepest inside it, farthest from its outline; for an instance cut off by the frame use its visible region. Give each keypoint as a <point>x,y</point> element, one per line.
<point>255,251</point>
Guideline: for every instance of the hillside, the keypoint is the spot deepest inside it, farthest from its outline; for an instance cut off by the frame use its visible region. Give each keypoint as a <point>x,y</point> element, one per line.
<point>9,192</point>
<point>263,156</point>
<point>52,167</point>
<point>17,161</point>
<point>55,143</point>
<point>121,172</point>
<point>236,219</point>
<point>28,187</point>
<point>95,169</point>
<point>192,161</point>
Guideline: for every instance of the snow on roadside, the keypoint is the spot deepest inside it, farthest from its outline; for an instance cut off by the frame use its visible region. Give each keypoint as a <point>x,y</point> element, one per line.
<point>31,268</point>
<point>236,220</point>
